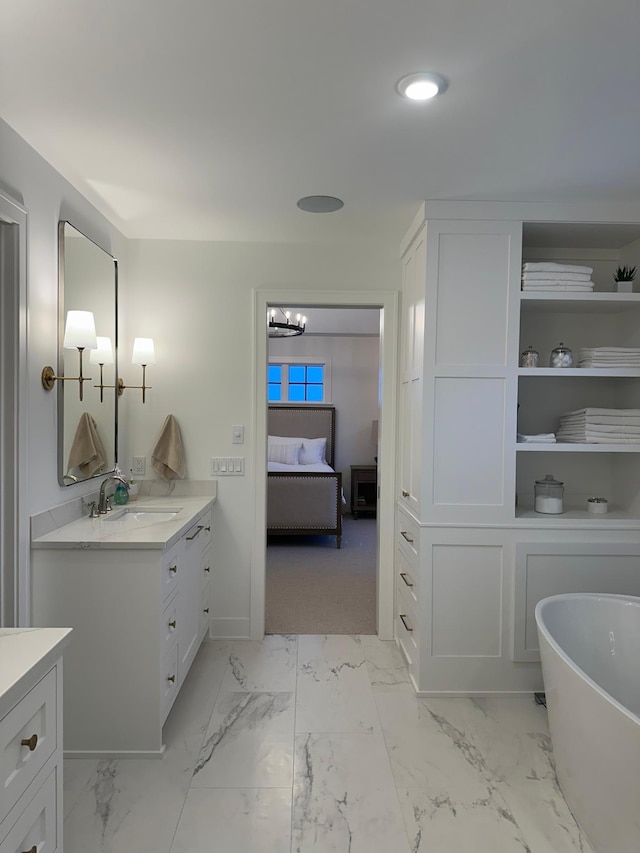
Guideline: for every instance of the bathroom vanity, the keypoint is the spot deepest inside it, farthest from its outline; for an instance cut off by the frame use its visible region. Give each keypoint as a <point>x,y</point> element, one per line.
<point>31,738</point>
<point>134,585</point>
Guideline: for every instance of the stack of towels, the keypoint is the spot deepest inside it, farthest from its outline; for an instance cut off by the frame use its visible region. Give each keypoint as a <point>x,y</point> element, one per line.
<point>600,426</point>
<point>609,357</point>
<point>554,277</point>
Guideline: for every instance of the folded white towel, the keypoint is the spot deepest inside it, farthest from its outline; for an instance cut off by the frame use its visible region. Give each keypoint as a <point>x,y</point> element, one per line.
<point>611,350</point>
<point>604,429</point>
<point>540,438</point>
<point>549,283</point>
<point>552,267</point>
<point>600,364</point>
<point>558,276</point>
<point>590,438</point>
<point>617,413</point>
<point>598,420</point>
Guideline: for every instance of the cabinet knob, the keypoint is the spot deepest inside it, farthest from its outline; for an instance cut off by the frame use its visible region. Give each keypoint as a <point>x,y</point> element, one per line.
<point>207,569</point>
<point>405,494</point>
<point>208,529</point>
<point>31,742</point>
<point>171,678</point>
<point>173,570</point>
<point>406,536</point>
<point>405,623</point>
<point>172,624</point>
<point>403,575</point>
<point>205,610</point>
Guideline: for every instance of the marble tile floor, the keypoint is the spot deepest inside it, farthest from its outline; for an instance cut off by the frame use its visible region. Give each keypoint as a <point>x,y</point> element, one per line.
<point>319,743</point>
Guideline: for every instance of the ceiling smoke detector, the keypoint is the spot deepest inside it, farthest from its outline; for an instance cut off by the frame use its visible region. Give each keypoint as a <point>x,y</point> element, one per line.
<point>320,203</point>
<point>422,85</point>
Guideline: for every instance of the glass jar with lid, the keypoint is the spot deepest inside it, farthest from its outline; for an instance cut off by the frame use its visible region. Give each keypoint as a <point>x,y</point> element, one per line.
<point>530,357</point>
<point>549,494</point>
<point>561,356</point>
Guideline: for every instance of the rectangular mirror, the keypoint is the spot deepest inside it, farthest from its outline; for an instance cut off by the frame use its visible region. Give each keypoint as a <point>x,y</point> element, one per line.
<point>87,427</point>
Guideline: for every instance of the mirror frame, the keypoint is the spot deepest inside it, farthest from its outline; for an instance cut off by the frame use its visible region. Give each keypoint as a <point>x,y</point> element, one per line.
<point>60,386</point>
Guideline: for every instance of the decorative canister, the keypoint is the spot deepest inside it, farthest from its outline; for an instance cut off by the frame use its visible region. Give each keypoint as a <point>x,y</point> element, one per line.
<point>548,495</point>
<point>561,356</point>
<point>530,357</point>
<point>597,506</point>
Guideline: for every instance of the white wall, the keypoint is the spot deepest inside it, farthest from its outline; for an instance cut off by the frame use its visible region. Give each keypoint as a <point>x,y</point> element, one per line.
<point>354,392</point>
<point>48,197</point>
<point>195,299</point>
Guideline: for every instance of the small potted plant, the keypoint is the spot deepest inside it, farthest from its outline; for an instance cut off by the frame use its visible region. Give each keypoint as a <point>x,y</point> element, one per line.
<point>623,278</point>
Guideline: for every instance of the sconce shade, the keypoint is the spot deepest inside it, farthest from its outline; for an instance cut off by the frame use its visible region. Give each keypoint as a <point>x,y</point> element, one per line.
<point>80,330</point>
<point>143,351</point>
<point>103,354</point>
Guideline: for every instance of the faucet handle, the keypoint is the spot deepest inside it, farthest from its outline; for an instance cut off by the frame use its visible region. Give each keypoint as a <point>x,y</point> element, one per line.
<point>93,510</point>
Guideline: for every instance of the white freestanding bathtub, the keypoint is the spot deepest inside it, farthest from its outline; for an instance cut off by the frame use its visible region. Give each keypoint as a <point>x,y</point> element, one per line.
<point>590,650</point>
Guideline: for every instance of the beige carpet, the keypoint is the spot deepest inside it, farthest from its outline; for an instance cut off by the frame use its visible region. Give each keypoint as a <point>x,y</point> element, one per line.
<point>314,588</point>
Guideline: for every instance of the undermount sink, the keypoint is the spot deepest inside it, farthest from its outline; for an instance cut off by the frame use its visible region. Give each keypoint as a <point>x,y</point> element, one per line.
<point>131,516</point>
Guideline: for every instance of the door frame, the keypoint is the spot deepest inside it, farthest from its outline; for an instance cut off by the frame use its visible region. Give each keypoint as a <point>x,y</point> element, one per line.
<point>387,302</point>
<point>14,526</point>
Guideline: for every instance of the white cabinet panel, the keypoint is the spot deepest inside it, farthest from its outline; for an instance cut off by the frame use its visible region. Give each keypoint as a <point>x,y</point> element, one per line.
<point>473,298</point>
<point>468,465</point>
<point>545,569</point>
<point>466,602</point>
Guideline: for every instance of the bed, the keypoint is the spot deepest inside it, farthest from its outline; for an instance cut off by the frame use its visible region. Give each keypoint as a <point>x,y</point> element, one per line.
<point>303,499</point>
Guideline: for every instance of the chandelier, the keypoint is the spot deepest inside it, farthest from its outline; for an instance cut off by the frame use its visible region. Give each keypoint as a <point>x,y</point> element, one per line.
<point>284,326</point>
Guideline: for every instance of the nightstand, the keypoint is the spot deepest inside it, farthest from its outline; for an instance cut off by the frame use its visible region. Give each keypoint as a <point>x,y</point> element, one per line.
<point>364,489</point>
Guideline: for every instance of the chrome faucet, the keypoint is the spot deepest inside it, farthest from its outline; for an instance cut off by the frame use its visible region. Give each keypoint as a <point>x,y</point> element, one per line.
<point>103,508</point>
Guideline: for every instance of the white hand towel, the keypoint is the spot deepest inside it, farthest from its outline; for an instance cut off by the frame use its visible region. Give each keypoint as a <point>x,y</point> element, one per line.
<point>87,452</point>
<point>559,276</point>
<point>548,284</point>
<point>551,267</point>
<point>616,413</point>
<point>167,457</point>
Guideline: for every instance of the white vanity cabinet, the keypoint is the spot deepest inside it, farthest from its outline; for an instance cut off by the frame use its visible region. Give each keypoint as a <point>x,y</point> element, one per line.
<point>472,558</point>
<point>137,612</point>
<point>31,739</point>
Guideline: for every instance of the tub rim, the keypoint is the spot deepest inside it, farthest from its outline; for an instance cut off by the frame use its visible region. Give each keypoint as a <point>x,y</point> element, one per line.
<point>631,600</point>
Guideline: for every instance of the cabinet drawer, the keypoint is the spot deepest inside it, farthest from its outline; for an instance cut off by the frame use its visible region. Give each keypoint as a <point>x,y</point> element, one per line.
<point>169,676</point>
<point>408,536</point>
<point>169,625</point>
<point>205,575</point>
<point>406,629</point>
<point>170,571</point>
<point>203,623</point>
<point>406,576</point>
<point>28,736</point>
<point>37,827</point>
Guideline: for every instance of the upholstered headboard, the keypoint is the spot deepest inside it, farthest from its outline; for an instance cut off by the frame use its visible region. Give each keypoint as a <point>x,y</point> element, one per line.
<point>305,422</point>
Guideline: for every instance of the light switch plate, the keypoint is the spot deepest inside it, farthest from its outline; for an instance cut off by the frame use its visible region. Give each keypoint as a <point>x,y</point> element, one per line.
<point>237,435</point>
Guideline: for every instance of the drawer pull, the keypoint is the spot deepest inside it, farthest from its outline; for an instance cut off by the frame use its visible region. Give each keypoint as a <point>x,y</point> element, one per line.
<point>405,623</point>
<point>205,610</point>
<point>172,624</point>
<point>31,742</point>
<point>171,678</point>
<point>33,849</point>
<point>197,533</point>
<point>403,575</point>
<point>406,536</point>
<point>173,570</point>
<point>207,569</point>
<point>208,529</point>
<point>405,494</point>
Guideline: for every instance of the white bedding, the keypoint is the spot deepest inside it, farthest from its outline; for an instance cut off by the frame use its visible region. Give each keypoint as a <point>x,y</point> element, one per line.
<point>313,468</point>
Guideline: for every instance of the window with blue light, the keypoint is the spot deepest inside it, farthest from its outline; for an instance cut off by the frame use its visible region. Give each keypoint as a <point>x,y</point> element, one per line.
<point>296,383</point>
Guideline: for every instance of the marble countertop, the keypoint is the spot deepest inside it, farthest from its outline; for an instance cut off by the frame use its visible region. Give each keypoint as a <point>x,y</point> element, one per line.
<point>21,650</point>
<point>111,532</point>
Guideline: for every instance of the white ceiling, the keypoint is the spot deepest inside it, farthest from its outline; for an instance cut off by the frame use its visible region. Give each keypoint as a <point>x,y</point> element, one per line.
<point>208,119</point>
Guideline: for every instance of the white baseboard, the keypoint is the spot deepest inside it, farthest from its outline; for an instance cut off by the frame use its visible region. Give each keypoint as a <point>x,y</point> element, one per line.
<point>230,627</point>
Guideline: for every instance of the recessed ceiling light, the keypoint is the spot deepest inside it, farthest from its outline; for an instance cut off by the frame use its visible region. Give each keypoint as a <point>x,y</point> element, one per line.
<point>422,86</point>
<point>320,203</point>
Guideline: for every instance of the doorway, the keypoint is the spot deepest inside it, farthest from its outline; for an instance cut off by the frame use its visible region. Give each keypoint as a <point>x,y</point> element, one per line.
<point>328,380</point>
<point>387,304</point>
<point>14,603</point>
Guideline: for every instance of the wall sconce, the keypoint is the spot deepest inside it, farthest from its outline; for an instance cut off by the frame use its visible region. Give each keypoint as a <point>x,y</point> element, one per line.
<point>80,334</point>
<point>102,355</point>
<point>144,354</point>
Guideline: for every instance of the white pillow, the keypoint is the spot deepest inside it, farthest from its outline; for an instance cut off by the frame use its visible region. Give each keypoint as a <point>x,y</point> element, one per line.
<point>287,454</point>
<point>312,449</point>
